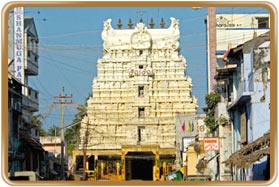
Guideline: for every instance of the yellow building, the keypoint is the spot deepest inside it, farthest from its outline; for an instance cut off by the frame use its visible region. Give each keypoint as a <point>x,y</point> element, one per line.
<point>129,131</point>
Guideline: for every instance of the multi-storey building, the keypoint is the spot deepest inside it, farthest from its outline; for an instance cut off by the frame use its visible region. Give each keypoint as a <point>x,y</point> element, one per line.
<point>231,30</point>
<point>23,63</point>
<point>141,85</point>
<point>15,155</point>
<point>247,96</point>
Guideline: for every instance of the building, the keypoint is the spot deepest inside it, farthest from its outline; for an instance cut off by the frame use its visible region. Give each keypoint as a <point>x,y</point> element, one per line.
<point>246,87</point>
<point>129,131</point>
<point>224,132</point>
<point>231,30</point>
<point>190,134</point>
<point>52,145</point>
<point>23,63</point>
<point>15,155</point>
<point>227,31</point>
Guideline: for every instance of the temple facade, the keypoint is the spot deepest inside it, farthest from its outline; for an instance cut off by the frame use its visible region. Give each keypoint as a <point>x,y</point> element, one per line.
<point>129,131</point>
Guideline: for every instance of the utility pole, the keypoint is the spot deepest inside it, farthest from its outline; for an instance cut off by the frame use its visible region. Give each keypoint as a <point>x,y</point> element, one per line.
<point>85,149</point>
<point>212,47</point>
<point>62,102</point>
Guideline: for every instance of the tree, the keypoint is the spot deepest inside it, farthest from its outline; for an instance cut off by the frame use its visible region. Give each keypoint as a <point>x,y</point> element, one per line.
<point>37,121</point>
<point>54,131</point>
<point>211,99</point>
<point>72,135</point>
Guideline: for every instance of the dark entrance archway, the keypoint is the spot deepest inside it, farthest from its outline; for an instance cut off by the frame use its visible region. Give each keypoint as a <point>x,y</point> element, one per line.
<point>139,165</point>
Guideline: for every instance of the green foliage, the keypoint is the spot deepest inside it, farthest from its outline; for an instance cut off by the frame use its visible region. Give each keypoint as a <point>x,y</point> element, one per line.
<point>54,131</point>
<point>210,122</point>
<point>72,135</point>
<point>36,120</point>
<point>43,133</point>
<point>70,148</point>
<point>211,99</point>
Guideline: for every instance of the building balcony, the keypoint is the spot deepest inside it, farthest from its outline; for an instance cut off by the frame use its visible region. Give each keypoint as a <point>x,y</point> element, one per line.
<point>241,95</point>
<point>16,104</point>
<point>31,66</point>
<point>30,100</point>
<point>225,72</point>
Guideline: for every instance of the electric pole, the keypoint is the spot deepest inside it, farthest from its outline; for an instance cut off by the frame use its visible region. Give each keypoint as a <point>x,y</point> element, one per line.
<point>85,148</point>
<point>62,102</point>
<point>212,47</point>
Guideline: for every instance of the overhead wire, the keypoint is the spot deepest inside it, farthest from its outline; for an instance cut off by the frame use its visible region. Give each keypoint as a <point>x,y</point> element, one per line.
<point>66,66</point>
<point>98,47</point>
<point>71,34</point>
<point>43,87</point>
<point>82,51</point>
<point>65,78</point>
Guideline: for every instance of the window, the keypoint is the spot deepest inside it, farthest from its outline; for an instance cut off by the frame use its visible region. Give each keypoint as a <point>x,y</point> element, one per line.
<point>140,66</point>
<point>140,52</point>
<point>141,91</point>
<point>141,112</point>
<point>263,22</point>
<point>140,133</point>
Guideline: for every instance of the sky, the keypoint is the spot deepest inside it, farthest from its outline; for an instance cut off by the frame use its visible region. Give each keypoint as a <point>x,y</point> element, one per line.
<point>70,44</point>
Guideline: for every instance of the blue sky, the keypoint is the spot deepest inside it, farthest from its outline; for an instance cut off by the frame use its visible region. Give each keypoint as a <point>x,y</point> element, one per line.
<point>70,44</point>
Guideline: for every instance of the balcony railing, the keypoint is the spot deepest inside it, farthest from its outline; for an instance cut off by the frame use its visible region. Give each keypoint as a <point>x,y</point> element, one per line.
<point>242,94</point>
<point>30,100</point>
<point>32,63</point>
<point>242,90</point>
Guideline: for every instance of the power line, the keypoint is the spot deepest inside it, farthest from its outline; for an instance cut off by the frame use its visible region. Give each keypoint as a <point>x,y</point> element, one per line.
<point>66,66</point>
<point>70,34</point>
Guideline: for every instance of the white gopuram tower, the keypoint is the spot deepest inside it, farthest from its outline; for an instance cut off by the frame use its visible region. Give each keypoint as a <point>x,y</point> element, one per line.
<point>139,89</point>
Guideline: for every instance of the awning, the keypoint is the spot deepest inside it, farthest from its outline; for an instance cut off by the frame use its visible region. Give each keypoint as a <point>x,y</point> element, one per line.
<point>225,72</point>
<point>250,153</point>
<point>34,144</point>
